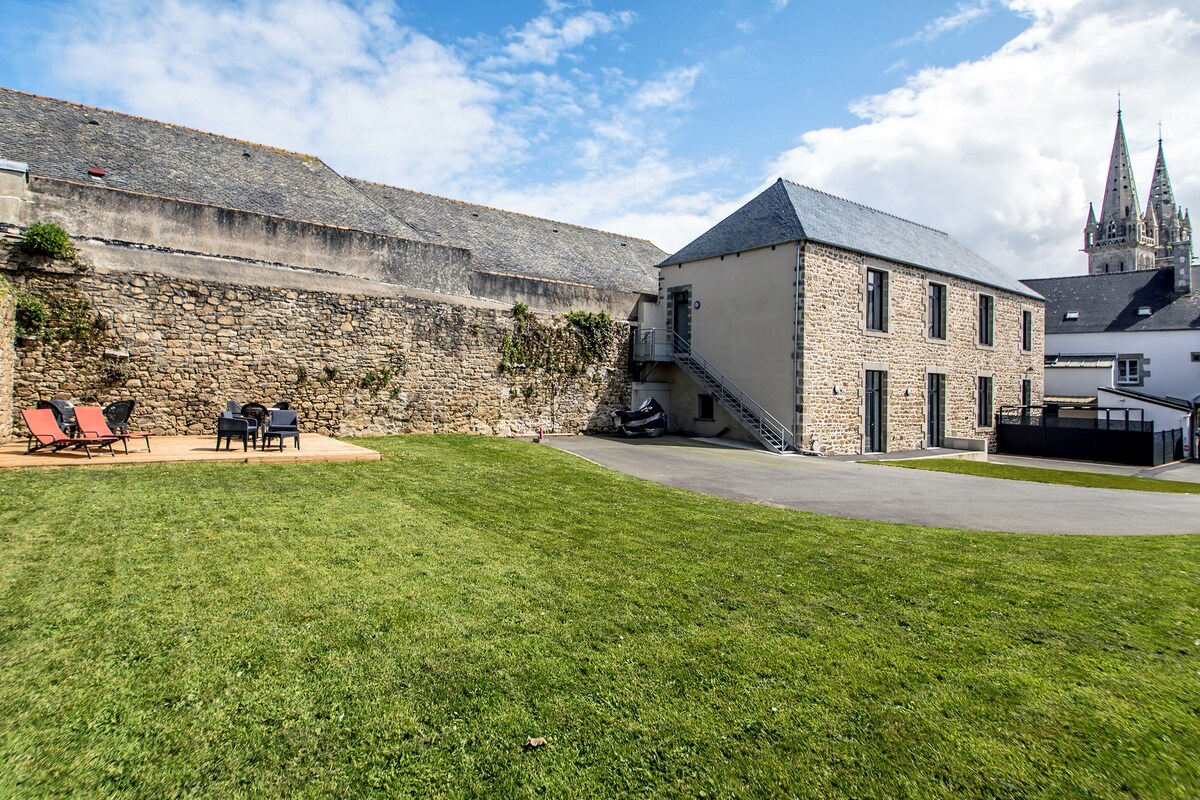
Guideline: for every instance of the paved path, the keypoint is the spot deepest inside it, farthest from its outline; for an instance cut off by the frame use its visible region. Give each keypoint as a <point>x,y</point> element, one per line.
<point>864,491</point>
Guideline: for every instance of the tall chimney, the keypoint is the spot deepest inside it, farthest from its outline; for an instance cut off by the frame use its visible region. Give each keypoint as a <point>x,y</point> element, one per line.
<point>1183,270</point>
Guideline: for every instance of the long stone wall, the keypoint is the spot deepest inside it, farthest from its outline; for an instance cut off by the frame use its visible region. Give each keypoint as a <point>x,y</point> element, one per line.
<point>350,364</point>
<point>8,359</point>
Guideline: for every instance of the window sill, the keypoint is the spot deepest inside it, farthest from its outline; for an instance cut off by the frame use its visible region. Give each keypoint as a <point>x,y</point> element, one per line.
<point>877,334</point>
<point>932,340</point>
<point>704,419</point>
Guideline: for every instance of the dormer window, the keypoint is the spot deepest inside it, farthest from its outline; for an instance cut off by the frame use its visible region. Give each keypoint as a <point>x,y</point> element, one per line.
<point>1071,316</point>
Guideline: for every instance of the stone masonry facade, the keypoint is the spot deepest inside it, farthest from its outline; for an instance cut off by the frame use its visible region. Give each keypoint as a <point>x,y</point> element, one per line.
<point>8,358</point>
<point>349,364</point>
<point>838,350</point>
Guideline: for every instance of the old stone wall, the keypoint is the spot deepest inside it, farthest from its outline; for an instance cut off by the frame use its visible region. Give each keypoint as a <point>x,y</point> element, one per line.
<point>8,359</point>
<point>837,351</point>
<point>350,364</point>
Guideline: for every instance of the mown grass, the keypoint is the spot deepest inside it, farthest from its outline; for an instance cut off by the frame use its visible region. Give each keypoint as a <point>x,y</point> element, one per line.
<point>1011,472</point>
<point>399,628</point>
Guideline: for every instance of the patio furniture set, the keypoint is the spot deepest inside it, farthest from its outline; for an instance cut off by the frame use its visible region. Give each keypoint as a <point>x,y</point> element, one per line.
<point>59,424</point>
<point>253,421</point>
<point>82,425</point>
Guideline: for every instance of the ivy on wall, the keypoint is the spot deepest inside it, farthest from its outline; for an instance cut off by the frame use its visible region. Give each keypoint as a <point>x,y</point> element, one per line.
<point>581,342</point>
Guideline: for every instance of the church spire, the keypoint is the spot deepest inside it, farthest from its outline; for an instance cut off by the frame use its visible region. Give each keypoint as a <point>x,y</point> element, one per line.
<point>1120,205</point>
<point>1120,241</point>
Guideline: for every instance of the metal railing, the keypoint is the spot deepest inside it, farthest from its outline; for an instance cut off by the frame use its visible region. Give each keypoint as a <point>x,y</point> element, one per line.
<point>653,344</point>
<point>768,430</point>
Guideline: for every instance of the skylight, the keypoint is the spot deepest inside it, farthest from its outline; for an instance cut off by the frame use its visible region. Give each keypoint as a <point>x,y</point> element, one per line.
<point>1071,316</point>
<point>1143,311</point>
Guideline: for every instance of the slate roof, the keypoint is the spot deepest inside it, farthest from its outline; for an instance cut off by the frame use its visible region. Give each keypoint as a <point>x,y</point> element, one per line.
<point>64,140</point>
<point>789,212</point>
<point>1110,302</point>
<point>508,242</point>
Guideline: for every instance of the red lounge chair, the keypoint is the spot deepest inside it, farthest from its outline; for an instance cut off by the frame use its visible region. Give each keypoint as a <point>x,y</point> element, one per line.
<point>91,422</point>
<point>44,429</point>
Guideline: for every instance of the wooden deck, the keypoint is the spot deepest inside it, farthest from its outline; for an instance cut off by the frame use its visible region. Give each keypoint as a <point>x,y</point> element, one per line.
<point>173,449</point>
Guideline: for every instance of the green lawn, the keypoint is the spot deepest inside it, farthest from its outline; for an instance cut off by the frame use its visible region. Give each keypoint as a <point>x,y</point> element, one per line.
<point>1011,472</point>
<point>399,628</point>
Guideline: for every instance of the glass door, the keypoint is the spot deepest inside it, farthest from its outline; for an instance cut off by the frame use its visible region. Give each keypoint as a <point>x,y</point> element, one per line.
<point>935,411</point>
<point>873,412</point>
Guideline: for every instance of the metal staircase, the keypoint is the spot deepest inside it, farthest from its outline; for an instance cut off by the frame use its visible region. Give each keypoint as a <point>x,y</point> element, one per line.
<point>772,433</point>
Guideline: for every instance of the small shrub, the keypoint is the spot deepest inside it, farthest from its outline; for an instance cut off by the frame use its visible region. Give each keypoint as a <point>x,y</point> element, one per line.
<point>48,239</point>
<point>32,315</point>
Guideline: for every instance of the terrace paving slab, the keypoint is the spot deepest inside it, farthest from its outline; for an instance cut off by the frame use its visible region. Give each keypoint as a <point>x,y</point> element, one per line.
<point>888,494</point>
<point>172,449</point>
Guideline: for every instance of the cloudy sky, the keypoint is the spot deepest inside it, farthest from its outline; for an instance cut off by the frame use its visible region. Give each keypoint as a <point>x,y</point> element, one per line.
<point>991,120</point>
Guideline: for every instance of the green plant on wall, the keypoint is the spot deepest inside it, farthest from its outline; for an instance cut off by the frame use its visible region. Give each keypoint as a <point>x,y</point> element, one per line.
<point>31,316</point>
<point>570,349</point>
<point>373,382</point>
<point>60,314</point>
<point>48,239</point>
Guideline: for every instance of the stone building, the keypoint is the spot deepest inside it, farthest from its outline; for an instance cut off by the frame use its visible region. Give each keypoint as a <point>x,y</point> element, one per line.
<point>809,322</point>
<point>222,269</point>
<point>1127,239</point>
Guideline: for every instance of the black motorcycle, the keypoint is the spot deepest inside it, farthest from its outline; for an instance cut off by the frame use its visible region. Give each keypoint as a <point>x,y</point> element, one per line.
<point>648,419</point>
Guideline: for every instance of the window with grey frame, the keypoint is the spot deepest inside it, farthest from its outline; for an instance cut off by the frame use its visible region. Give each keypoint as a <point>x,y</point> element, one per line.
<point>877,290</point>
<point>987,312</point>
<point>983,415</point>
<point>1026,329</point>
<point>1026,397</point>
<point>937,311</point>
<point>1129,371</point>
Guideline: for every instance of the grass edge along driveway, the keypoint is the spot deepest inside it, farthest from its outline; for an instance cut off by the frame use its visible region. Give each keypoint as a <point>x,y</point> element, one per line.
<point>1012,472</point>
<point>402,627</point>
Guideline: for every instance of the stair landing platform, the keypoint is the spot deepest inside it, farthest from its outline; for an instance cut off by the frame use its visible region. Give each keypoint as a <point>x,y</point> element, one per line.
<point>178,449</point>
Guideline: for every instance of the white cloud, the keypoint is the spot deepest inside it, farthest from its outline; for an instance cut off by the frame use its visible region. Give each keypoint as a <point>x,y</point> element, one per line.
<point>374,98</point>
<point>544,39</point>
<point>669,90</point>
<point>1005,152</point>
<point>965,15</point>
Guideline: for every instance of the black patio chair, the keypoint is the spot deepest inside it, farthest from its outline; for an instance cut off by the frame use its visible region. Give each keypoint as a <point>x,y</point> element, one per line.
<point>230,427</point>
<point>64,414</point>
<point>255,412</point>
<point>117,414</point>
<point>282,424</point>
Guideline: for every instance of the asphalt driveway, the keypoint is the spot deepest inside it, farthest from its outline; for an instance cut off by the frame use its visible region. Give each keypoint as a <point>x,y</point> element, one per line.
<point>864,491</point>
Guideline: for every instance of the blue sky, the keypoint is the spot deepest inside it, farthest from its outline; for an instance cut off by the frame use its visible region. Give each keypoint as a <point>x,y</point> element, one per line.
<point>990,120</point>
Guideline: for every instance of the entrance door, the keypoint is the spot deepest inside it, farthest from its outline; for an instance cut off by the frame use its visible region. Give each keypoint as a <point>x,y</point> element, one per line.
<point>873,412</point>
<point>935,409</point>
<point>681,319</point>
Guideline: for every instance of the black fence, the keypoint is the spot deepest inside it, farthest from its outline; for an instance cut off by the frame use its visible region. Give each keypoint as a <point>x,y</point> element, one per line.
<point>1118,441</point>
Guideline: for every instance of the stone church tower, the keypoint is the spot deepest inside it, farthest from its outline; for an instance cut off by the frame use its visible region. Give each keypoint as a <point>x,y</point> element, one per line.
<point>1125,238</point>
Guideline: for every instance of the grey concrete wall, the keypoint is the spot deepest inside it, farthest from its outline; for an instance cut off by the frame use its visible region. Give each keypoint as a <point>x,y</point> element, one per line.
<point>101,212</point>
<point>551,295</point>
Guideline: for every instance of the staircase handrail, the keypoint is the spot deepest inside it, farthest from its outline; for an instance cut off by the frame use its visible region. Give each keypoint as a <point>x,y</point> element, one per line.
<point>765,418</point>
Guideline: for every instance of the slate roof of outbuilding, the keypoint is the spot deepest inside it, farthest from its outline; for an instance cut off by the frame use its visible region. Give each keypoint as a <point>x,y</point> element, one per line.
<point>508,242</point>
<point>1110,302</point>
<point>58,139</point>
<point>788,212</point>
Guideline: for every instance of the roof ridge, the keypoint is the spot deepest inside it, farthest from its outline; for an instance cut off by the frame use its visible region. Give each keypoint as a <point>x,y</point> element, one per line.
<point>505,211</point>
<point>1099,275</point>
<point>866,207</point>
<point>175,125</point>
